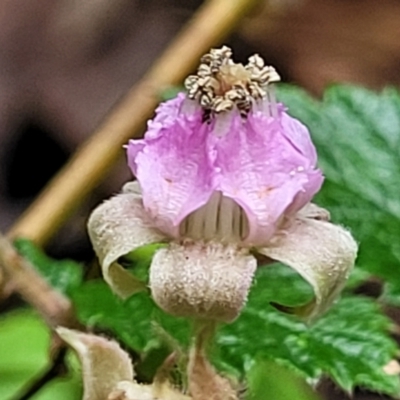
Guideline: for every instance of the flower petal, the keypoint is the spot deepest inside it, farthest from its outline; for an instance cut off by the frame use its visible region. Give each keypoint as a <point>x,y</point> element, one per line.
<point>266,171</point>
<point>202,280</point>
<point>104,363</point>
<point>117,227</point>
<point>172,165</point>
<point>298,135</point>
<point>322,253</point>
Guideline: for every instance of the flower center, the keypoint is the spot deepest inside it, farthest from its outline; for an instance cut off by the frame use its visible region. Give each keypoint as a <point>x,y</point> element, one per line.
<point>221,219</point>
<point>220,84</point>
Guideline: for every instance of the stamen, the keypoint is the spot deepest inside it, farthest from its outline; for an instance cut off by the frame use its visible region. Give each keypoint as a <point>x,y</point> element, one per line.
<point>196,223</point>
<point>272,101</point>
<point>211,220</point>
<point>220,219</point>
<point>236,228</point>
<point>221,85</point>
<point>226,217</point>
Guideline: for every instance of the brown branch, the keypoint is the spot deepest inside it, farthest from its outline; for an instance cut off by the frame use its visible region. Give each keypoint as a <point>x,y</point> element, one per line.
<point>94,159</point>
<point>54,307</point>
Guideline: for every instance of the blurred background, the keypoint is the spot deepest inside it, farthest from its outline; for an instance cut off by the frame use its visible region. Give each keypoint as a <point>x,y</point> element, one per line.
<point>65,64</point>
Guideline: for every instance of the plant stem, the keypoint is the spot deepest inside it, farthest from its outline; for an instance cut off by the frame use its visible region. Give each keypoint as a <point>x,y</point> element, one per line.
<point>89,166</point>
<point>54,307</point>
<point>204,382</point>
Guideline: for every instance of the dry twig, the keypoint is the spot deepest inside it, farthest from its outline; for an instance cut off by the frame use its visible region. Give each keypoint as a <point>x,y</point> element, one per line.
<point>55,308</point>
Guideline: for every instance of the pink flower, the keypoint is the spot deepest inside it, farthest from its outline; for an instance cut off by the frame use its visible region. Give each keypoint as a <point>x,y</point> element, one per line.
<point>264,165</point>
<point>223,172</point>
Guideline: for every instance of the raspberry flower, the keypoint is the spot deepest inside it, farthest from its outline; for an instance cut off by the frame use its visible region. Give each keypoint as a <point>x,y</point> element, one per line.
<point>225,177</point>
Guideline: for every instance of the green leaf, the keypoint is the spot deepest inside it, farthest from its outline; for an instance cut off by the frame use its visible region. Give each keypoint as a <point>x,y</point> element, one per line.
<point>357,135</point>
<point>170,92</point>
<point>61,274</point>
<point>137,321</point>
<point>24,352</point>
<point>351,343</point>
<point>269,380</point>
<point>357,277</point>
<point>391,294</point>
<point>139,260</point>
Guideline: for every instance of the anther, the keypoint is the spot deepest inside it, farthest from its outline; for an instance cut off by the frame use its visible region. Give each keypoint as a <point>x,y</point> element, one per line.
<point>221,85</point>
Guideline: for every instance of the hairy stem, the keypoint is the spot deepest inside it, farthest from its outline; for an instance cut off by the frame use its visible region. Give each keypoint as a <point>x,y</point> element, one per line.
<point>203,380</point>
<point>214,20</point>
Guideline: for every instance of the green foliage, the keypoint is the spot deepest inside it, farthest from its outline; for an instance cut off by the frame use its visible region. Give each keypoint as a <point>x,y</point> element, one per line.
<point>138,322</point>
<point>24,349</point>
<point>350,343</point>
<point>170,92</point>
<point>357,135</point>
<point>391,294</point>
<point>138,261</point>
<point>61,274</point>
<point>267,379</point>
